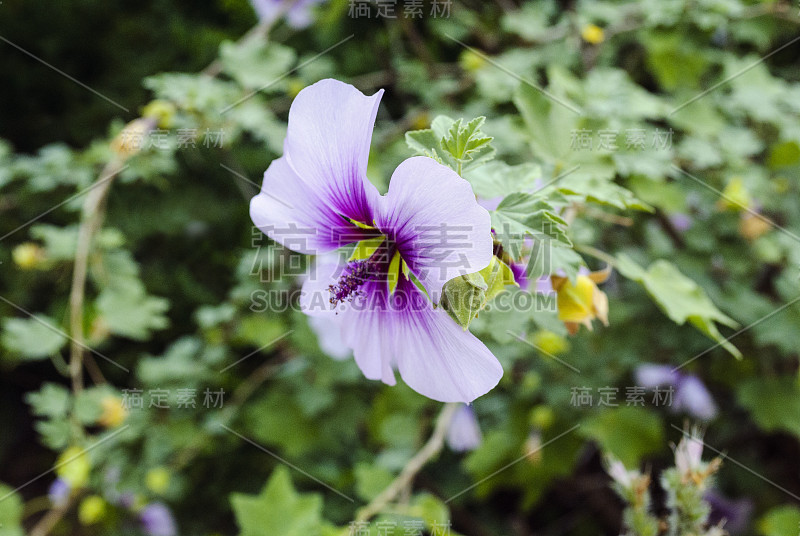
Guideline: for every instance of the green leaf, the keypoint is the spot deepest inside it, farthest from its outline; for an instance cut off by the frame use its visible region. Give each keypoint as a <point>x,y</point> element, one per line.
<point>59,242</point>
<point>260,330</point>
<point>550,124</point>
<point>463,142</point>
<point>423,142</point>
<point>522,214</point>
<point>32,339</point>
<point>371,480</point>
<point>179,364</point>
<point>455,144</point>
<point>603,192</point>
<point>89,404</point>
<point>431,509</point>
<point>256,63</point>
<point>498,179</point>
<point>131,312</point>
<point>674,59</point>
<point>774,403</point>
<point>52,400</point>
<point>56,434</point>
<point>278,509</point>
<point>780,521</point>
<point>784,155</point>
<point>680,298</point>
<point>629,433</point>
<point>10,512</point>
<point>548,257</point>
<point>194,93</point>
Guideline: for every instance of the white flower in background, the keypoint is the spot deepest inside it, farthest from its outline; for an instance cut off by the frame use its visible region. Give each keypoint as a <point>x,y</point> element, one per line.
<point>620,474</point>
<point>688,455</point>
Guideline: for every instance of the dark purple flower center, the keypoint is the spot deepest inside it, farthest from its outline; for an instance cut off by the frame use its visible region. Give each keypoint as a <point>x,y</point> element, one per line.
<point>355,274</point>
<point>358,272</point>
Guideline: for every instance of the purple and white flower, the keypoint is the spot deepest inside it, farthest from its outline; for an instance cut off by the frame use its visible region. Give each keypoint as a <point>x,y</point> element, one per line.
<point>691,395</point>
<point>317,198</point>
<point>464,432</point>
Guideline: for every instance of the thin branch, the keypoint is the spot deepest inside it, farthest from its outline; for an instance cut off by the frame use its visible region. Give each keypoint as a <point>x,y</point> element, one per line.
<point>428,451</point>
<point>51,518</point>
<point>93,213</point>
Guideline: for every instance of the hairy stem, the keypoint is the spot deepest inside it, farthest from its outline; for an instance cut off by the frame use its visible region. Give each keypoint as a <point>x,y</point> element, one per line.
<point>428,451</point>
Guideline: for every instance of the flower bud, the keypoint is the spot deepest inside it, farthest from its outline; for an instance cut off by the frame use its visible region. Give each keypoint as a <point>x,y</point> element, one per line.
<point>593,34</point>
<point>92,510</point>
<point>157,480</point>
<point>114,412</point>
<point>73,466</point>
<point>28,255</point>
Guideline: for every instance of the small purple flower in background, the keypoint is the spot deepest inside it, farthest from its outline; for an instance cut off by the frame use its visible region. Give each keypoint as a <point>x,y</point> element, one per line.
<point>426,230</point>
<point>735,512</point>
<point>157,520</point>
<point>59,492</point>
<point>298,13</point>
<point>464,432</point>
<point>680,221</point>
<point>691,395</point>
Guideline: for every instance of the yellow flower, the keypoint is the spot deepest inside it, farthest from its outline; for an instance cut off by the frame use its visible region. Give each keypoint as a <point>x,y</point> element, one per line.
<point>541,417</point>
<point>470,61</point>
<point>28,255</point>
<point>550,342</point>
<point>114,412</point>
<point>593,34</point>
<point>735,196</point>
<point>162,111</point>
<point>91,510</point>
<point>73,466</point>
<point>157,480</point>
<point>581,302</point>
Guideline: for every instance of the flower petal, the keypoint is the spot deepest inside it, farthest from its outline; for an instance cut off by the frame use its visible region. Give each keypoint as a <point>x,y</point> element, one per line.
<point>328,330</point>
<point>321,178</point>
<point>440,230</point>
<point>369,327</point>
<point>327,144</point>
<point>315,295</point>
<point>292,214</point>
<point>434,355</point>
<point>439,359</point>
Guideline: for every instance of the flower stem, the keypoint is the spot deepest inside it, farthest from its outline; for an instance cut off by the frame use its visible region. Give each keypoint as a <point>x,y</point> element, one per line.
<point>428,451</point>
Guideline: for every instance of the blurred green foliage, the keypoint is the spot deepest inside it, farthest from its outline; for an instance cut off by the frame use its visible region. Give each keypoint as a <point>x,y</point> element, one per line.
<point>700,220</point>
